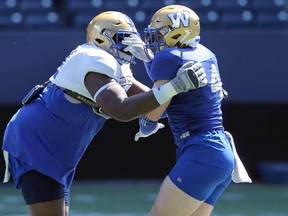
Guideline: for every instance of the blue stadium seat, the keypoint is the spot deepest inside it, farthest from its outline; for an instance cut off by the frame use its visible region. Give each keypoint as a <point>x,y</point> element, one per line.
<point>77,13</point>
<point>81,20</point>
<point>122,6</point>
<point>80,12</point>
<point>209,19</point>
<point>198,6</point>
<point>231,5</point>
<point>273,19</point>
<point>10,20</point>
<point>27,6</point>
<point>151,6</point>
<point>42,20</point>
<point>270,14</point>
<point>268,5</point>
<point>8,6</point>
<point>237,19</point>
<point>83,5</point>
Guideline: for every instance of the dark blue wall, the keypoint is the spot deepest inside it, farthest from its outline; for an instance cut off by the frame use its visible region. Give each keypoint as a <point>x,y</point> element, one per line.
<point>253,63</point>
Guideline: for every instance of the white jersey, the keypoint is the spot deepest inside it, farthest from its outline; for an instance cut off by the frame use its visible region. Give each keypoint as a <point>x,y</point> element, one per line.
<point>90,58</point>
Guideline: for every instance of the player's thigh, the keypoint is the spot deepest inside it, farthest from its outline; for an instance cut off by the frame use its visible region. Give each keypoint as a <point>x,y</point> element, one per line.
<point>42,194</point>
<point>172,201</point>
<point>50,208</point>
<point>213,198</point>
<point>204,209</point>
<point>202,167</point>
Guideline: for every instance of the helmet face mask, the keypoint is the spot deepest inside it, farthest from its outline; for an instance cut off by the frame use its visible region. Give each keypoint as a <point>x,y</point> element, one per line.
<point>107,30</point>
<point>154,37</point>
<point>172,26</point>
<point>116,47</point>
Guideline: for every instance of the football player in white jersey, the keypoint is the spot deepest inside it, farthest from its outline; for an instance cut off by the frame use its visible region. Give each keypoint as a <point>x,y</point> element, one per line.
<point>205,159</point>
<point>46,138</point>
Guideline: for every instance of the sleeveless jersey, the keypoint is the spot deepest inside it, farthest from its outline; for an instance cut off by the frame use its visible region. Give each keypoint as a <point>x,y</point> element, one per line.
<point>51,133</point>
<point>88,58</point>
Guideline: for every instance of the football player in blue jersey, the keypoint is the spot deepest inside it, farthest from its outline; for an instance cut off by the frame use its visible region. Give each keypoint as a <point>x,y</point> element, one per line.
<point>205,159</point>
<point>46,138</point>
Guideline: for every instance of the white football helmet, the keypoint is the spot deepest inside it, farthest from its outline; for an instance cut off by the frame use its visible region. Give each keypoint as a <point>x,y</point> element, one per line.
<point>107,30</point>
<point>173,26</point>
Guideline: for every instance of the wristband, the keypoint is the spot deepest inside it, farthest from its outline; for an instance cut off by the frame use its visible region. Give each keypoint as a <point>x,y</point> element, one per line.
<point>147,125</point>
<point>164,93</point>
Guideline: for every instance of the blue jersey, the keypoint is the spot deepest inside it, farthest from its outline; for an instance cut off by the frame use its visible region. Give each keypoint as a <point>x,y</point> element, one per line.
<point>48,137</point>
<point>196,110</point>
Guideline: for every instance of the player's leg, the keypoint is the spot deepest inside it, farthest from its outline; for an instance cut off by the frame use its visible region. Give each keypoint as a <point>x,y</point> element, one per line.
<point>203,209</point>
<point>172,201</point>
<point>201,167</point>
<point>206,207</point>
<point>56,207</point>
<point>43,195</point>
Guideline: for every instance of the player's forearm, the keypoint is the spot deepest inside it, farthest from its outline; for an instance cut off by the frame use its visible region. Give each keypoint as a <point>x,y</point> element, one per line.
<point>156,114</point>
<point>137,87</point>
<point>132,107</point>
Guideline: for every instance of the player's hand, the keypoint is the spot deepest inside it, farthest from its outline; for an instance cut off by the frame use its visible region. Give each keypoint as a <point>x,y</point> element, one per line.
<point>137,48</point>
<point>190,76</point>
<point>147,127</point>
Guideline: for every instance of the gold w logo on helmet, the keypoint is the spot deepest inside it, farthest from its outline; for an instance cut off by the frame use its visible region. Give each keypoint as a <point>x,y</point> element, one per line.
<point>178,18</point>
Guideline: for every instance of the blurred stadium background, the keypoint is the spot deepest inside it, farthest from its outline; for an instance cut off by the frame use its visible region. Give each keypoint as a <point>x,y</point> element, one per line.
<point>250,39</point>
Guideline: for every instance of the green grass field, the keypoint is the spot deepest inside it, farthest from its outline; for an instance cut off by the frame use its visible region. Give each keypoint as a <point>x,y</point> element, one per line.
<point>135,198</point>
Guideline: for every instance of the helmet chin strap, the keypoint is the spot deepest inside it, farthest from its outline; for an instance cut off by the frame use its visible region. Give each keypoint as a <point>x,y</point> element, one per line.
<point>193,42</point>
<point>179,44</point>
<point>184,37</point>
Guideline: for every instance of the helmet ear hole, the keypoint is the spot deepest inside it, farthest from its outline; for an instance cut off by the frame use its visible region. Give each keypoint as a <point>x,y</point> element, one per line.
<point>99,40</point>
<point>175,37</point>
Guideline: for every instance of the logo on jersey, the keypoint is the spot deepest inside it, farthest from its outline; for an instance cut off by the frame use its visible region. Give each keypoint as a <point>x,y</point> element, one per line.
<point>179,18</point>
<point>184,135</point>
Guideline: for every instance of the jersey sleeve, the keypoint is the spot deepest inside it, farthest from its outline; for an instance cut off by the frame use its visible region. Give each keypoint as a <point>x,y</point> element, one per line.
<point>164,66</point>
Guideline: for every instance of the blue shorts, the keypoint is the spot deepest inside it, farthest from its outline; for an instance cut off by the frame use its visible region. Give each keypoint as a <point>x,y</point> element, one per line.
<point>35,186</point>
<point>204,165</point>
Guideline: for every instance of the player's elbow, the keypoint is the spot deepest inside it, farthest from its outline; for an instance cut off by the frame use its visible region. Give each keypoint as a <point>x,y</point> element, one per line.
<point>124,118</point>
<point>123,115</point>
